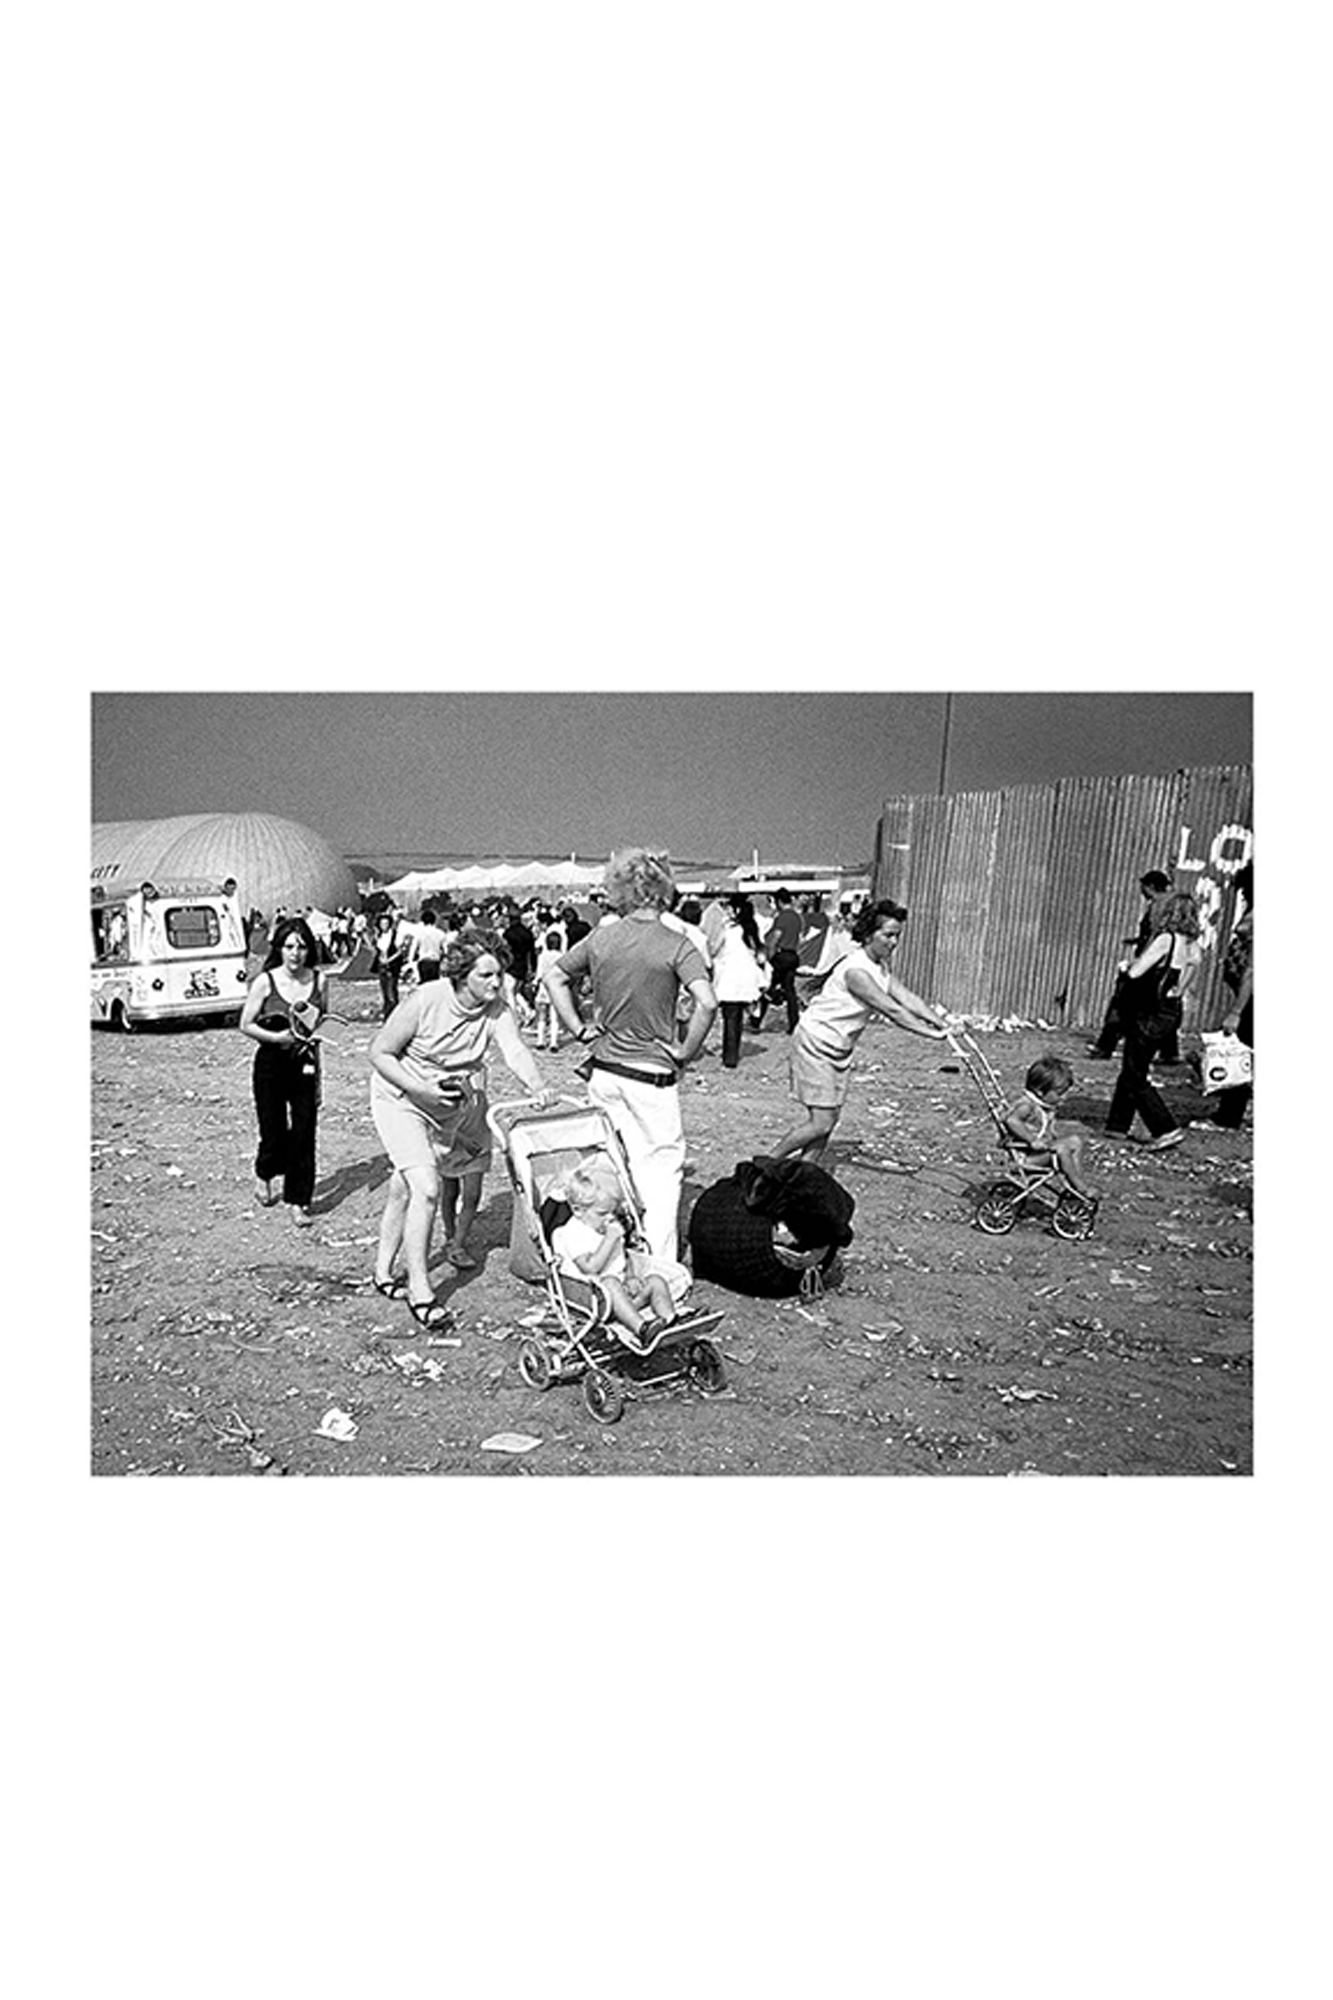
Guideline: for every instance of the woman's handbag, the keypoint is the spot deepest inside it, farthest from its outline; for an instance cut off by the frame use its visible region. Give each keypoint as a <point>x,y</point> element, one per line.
<point>1227,1063</point>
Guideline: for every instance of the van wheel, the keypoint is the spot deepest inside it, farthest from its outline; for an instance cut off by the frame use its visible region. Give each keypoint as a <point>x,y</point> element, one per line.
<point>120,1020</point>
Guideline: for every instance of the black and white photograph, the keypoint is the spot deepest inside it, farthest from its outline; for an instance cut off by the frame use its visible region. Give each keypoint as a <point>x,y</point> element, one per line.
<point>640,1084</point>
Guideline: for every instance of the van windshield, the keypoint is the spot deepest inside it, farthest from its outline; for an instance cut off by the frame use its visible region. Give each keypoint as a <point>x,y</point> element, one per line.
<point>192,927</point>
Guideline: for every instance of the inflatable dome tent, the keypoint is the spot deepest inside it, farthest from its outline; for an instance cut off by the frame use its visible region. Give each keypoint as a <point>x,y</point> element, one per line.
<point>274,861</point>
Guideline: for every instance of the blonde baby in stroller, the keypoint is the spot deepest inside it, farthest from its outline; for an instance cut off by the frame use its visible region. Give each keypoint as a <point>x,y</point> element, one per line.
<point>596,1243</point>
<point>612,1314</point>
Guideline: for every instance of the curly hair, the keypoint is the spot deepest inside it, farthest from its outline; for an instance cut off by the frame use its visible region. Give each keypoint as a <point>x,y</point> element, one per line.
<point>1176,911</point>
<point>868,920</point>
<point>291,927</point>
<point>466,947</point>
<point>637,878</point>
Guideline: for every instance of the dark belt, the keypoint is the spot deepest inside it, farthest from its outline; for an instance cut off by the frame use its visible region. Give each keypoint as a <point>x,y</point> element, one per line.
<point>657,1078</point>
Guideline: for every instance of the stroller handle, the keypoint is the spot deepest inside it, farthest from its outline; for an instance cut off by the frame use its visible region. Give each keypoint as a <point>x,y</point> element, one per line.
<point>556,1109</point>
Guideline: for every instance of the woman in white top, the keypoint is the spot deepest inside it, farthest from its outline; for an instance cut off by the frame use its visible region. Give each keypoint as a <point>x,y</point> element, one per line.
<point>738,979</point>
<point>827,1033</point>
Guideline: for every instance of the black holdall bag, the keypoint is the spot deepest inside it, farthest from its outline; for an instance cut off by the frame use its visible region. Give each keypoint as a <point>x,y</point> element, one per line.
<point>771,1229</point>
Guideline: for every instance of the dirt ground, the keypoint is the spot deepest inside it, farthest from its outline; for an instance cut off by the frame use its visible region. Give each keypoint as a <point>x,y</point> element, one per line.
<point>222,1336</point>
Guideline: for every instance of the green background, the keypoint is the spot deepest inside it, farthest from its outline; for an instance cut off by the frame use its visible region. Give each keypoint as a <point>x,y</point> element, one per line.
<point>587,323</point>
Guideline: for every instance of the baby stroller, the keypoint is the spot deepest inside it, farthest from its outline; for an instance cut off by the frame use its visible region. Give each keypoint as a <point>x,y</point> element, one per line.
<point>1072,1214</point>
<point>577,1339</point>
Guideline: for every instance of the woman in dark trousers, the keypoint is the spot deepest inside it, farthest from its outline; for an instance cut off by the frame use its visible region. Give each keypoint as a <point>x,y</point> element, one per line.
<point>387,950</point>
<point>1156,981</point>
<point>283,1010</point>
<point>781,945</point>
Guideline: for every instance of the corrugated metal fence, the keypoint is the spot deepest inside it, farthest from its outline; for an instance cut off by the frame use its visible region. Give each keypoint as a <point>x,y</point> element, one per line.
<point>1021,899</point>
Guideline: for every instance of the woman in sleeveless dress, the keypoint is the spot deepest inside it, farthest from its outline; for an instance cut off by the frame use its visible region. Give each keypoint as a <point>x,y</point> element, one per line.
<point>827,1033</point>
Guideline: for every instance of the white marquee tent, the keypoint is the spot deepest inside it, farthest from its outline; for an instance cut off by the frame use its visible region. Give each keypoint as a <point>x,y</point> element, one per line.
<point>525,878</point>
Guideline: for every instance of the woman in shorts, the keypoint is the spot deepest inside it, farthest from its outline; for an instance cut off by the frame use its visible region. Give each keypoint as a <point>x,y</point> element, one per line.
<point>428,1100</point>
<point>830,1027</point>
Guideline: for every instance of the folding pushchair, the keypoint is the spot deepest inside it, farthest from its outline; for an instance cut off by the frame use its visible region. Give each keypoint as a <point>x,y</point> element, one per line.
<point>1071,1214</point>
<point>577,1338</point>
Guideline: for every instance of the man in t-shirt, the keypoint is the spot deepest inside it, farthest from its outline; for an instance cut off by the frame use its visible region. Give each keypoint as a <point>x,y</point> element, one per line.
<point>636,968</point>
<point>427,947</point>
<point>782,945</point>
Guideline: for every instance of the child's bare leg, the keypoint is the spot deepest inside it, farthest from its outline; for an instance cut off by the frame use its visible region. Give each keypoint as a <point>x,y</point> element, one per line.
<point>448,1204</point>
<point>660,1302</point>
<point>623,1309</point>
<point>1069,1159</point>
<point>469,1188</point>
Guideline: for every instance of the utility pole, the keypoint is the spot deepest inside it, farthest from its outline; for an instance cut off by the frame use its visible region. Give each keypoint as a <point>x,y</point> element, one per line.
<point>944,743</point>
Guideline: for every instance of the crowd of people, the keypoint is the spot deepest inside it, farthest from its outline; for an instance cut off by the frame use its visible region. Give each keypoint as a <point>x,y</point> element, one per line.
<point>638,976</point>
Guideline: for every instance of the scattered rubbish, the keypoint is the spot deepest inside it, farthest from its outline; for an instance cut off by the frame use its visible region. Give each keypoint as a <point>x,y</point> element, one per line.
<point>881,1329</point>
<point>1019,1395</point>
<point>533,1318</point>
<point>336,1424</point>
<point>742,1356</point>
<point>515,1442</point>
<point>414,1366</point>
<point>178,1172</point>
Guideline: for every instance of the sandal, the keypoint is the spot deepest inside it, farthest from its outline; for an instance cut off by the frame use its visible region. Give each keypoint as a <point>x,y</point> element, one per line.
<point>461,1259</point>
<point>430,1314</point>
<point>265,1195</point>
<point>390,1288</point>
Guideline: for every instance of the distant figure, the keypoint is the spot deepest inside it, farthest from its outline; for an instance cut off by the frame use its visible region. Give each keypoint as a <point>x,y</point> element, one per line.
<point>576,925</point>
<point>737,979</point>
<point>782,945</point>
<point>387,960</point>
<point>522,953</point>
<point>548,1027</point>
<point>814,929</point>
<point>427,947</point>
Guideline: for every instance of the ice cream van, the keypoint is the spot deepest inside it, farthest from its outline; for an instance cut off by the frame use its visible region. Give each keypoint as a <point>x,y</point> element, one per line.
<point>167,952</point>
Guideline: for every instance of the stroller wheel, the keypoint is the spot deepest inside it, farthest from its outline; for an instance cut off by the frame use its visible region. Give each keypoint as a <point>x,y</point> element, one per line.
<point>603,1395</point>
<point>535,1364</point>
<point>997,1211</point>
<point>705,1365</point>
<point>1073,1217</point>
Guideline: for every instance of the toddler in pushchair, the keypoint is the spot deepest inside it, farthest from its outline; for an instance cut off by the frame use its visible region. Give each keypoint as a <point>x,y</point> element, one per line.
<point>1039,1161</point>
<point>611,1316</point>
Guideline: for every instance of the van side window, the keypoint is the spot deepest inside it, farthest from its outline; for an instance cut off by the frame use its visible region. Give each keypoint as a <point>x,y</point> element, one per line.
<point>110,936</point>
<point>192,927</point>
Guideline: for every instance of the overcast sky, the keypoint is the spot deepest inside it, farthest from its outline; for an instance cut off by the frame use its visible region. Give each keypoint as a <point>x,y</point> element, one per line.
<point>800,776</point>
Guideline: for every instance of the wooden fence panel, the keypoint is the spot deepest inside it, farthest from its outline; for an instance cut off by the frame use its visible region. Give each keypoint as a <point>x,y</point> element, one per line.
<point>1020,899</point>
